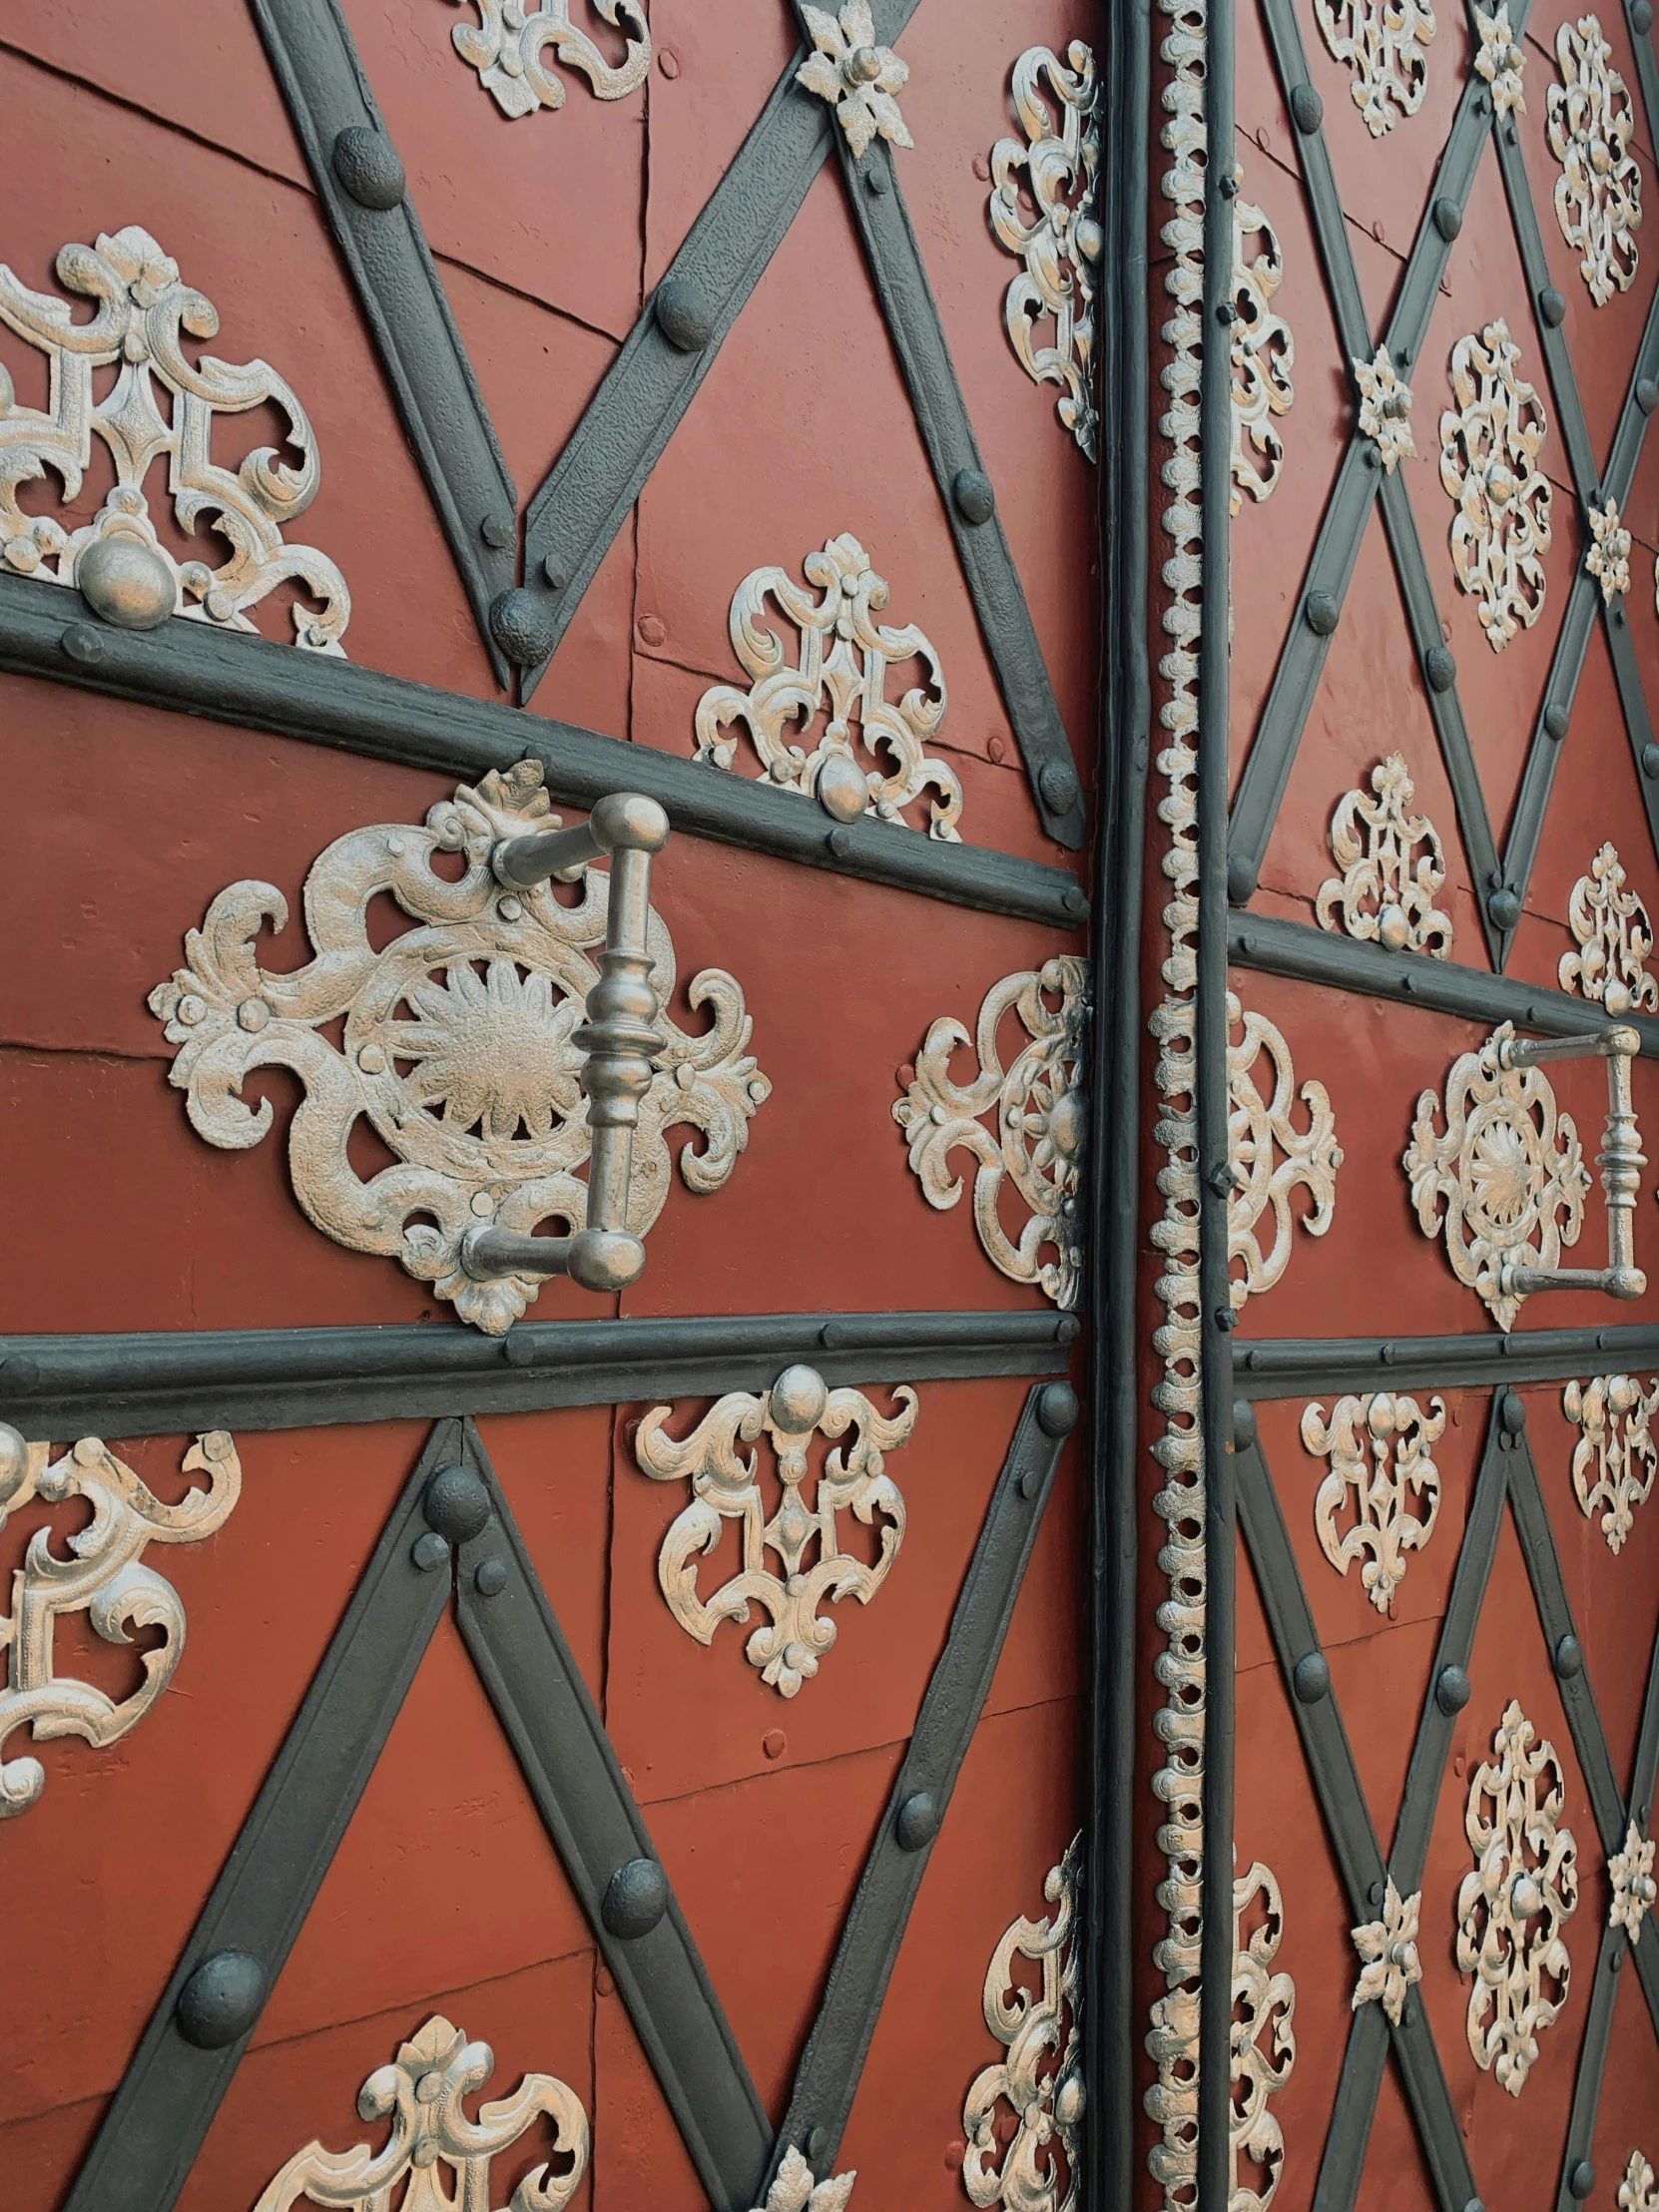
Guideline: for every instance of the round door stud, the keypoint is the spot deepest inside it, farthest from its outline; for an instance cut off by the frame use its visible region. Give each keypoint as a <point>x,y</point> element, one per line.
<point>126,582</point>
<point>683,315</point>
<point>1057,781</point>
<point>974,497</point>
<point>1057,1409</point>
<point>366,162</point>
<point>457,1504</point>
<point>918,1821</point>
<point>221,2000</point>
<point>636,1897</point>
<point>521,623</point>
<point>841,790</point>
<point>1310,1678</point>
<point>1452,1690</point>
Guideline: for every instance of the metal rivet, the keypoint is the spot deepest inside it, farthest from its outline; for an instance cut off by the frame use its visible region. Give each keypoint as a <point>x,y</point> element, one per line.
<point>1616,1959</point>
<point>1556,720</point>
<point>1650,760</point>
<point>553,573</point>
<point>1074,901</point>
<point>521,623</point>
<point>1569,1658</point>
<point>1376,1893</point>
<point>1581,2179</point>
<point>841,790</point>
<point>876,180</point>
<point>1246,946</point>
<point>1440,667</point>
<point>1369,455</point>
<point>489,1577</point>
<point>457,1504</point>
<point>1452,1690</point>
<point>1310,1678</point>
<point>1448,219</point>
<point>1386,1353</point>
<point>1647,394</point>
<point>840,844</point>
<point>918,1821</point>
<point>635,1900</point>
<point>19,1371</point>
<point>496,531</point>
<point>1513,1415</point>
<point>1241,878</point>
<point>1067,1329</point>
<point>1057,781</point>
<point>1057,1409</point>
<point>1552,307</point>
<point>1243,1425</point>
<point>1228,187</point>
<point>1322,612</point>
<point>683,315</point>
<point>1505,907</point>
<point>82,643</point>
<point>974,495</point>
<point>1029,1483</point>
<point>429,1551</point>
<point>221,2000</point>
<point>818,2142</point>
<point>1226,1320</point>
<point>518,1349</point>
<point>1307,109</point>
<point>1641,18</point>
<point>1475,2204</point>
<point>366,162</point>
<point>1227,314</point>
<point>1221,1178</point>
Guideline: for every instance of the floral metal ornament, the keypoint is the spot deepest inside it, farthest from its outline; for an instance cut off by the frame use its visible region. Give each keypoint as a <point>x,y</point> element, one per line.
<point>794,2191</point>
<point>841,667</point>
<point>1263,355</point>
<point>1386,409</point>
<point>472,1080</point>
<point>1262,2039</point>
<point>508,47</point>
<point>1041,1111</point>
<point>1389,1962</point>
<point>1380,1465</point>
<point>1635,1892</point>
<point>1511,1909</point>
<point>1638,2191</point>
<point>1387,888</point>
<point>1615,941</point>
<point>421,2095</point>
<point>858,78</point>
<point>1054,171</point>
<point>1608,555</point>
<point>1042,2078</point>
<point>1499,61</point>
<point>1616,1455</point>
<point>1269,1156</point>
<point>1385,44</point>
<point>103,1575</point>
<point>788,1647</point>
<point>1598,195</point>
<point>143,315</point>
<point>1489,446</point>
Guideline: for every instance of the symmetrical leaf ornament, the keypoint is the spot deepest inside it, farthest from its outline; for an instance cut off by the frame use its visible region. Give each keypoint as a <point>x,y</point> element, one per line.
<point>1630,1875</point>
<point>1639,2190</point>
<point>1387,888</point>
<point>1489,447</point>
<point>1608,555</point>
<point>793,2190</point>
<point>1263,2038</point>
<point>1499,60</point>
<point>1511,1909</point>
<point>421,2094</point>
<point>786,1648</point>
<point>1598,195</point>
<point>841,665</point>
<point>1054,171</point>
<point>508,47</point>
<point>1269,1156</point>
<point>103,1575</point>
<point>1385,44</point>
<point>1616,1455</point>
<point>1615,941</point>
<point>1042,2078</point>
<point>1263,355</point>
<point>1389,1962</point>
<point>859,78</point>
<point>1378,1450</point>
<point>1386,409</point>
<point>143,315</point>
<point>471,1080</point>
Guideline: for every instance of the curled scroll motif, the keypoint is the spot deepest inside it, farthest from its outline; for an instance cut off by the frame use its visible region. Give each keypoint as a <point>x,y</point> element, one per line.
<point>793,2190</point>
<point>860,80</point>
<point>1378,1450</point>
<point>1271,1157</point>
<point>1041,1111</point>
<point>1508,1171</point>
<point>470,1079</point>
<point>1055,171</point>
<point>1385,401</point>
<point>1262,2039</point>
<point>1511,1909</point>
<point>1389,1962</point>
<point>143,315</point>
<point>1385,44</point>
<point>788,1647</point>
<point>1616,1455</point>
<point>1598,195</point>
<point>1630,1875</point>
<point>1263,355</point>
<point>1042,2078</point>
<point>1387,888</point>
<point>1489,447</point>
<point>508,47</point>
<point>1608,554</point>
<point>1638,2191</point>
<point>101,1573</point>
<point>840,665</point>
<point>421,2095</point>
<point>1615,941</point>
<point>1500,59</point>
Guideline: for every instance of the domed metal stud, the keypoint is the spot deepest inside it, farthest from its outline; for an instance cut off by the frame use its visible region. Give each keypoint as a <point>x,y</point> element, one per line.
<point>221,2000</point>
<point>1057,781</point>
<point>457,1504</point>
<point>683,315</point>
<point>918,1821</point>
<point>635,1900</point>
<point>126,582</point>
<point>521,623</point>
<point>365,163</point>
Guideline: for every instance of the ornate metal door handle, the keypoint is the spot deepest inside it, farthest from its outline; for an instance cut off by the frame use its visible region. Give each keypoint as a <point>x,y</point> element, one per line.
<point>1620,1160</point>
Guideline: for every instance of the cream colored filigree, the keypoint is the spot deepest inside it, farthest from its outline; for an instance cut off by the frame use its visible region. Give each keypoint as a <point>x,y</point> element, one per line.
<point>1500,60</point>
<point>1386,889</point>
<point>1271,1157</point>
<point>1263,2040</point>
<point>471,1080</point>
<point>858,78</point>
<point>1608,555</point>
<point>105,1577</point>
<point>1389,1962</point>
<point>508,47</point>
<point>143,315</point>
<point>1379,1465</point>
<point>1386,409</point>
<point>1638,2191</point>
<point>1615,939</point>
<point>1385,44</point>
<point>1508,1170</point>
<point>787,1648</point>
<point>793,2190</point>
<point>1263,355</point>
<point>1041,1110</point>
<point>841,667</point>
<point>1617,1448</point>
<point>1054,171</point>
<point>1489,446</point>
<point>432,2137</point>
<point>1635,1892</point>
<point>1511,1910</point>
<point>1598,195</point>
<point>1042,2078</point>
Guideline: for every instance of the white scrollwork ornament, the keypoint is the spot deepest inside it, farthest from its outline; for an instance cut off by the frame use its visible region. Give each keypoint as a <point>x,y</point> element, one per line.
<point>1630,1875</point>
<point>786,1648</point>
<point>1041,1110</point>
<point>1262,2039</point>
<point>859,78</point>
<point>1511,1909</point>
<point>1386,400</point>
<point>840,665</point>
<point>794,2190</point>
<point>1387,888</point>
<point>1269,1156</point>
<point>1639,2190</point>
<point>470,1078</point>
<point>1263,355</point>
<point>143,315</point>
<point>431,2134</point>
<point>1616,1455</point>
<point>1489,447</point>
<point>508,47</point>
<point>1385,44</point>
<point>1054,171</point>
<point>1508,1171</point>
<point>1499,60</point>
<point>1042,2078</point>
<point>1389,1962</point>
<point>1607,556</point>
<point>105,1577</point>
<point>1615,941</point>
<point>1598,195</point>
<point>1379,1449</point>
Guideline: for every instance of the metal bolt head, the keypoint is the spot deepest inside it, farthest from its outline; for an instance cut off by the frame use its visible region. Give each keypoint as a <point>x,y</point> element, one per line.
<point>1243,1425</point>
<point>1647,394</point>
<point>1241,879</point>
<point>1504,907</point>
<point>456,1503</point>
<point>489,1577</point>
<point>365,163</point>
<point>975,499</point>
<point>1441,668</point>
<point>1641,17</point>
<point>429,1551</point>
<point>1581,2178</point>
<point>635,1900</point>
<point>817,2144</point>
<point>221,2000</point>
<point>875,179</point>
<point>1057,781</point>
<point>1569,1658</point>
<point>1307,109</point>
<point>497,532</point>
<point>842,789</point>
<point>1452,1690</point>
<point>1393,932</point>
<point>1556,720</point>
<point>1552,307</point>
<point>1322,612</point>
<point>82,643</point>
<point>518,1349</point>
<point>1057,1409</point>
<point>1310,1678</point>
<point>1513,1415</point>
<point>683,315</point>
<point>126,582</point>
<point>797,1399</point>
<point>840,845</point>
<point>521,623</point>
<point>1650,760</point>
<point>1075,902</point>
<point>918,1821</point>
<point>1448,219</point>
